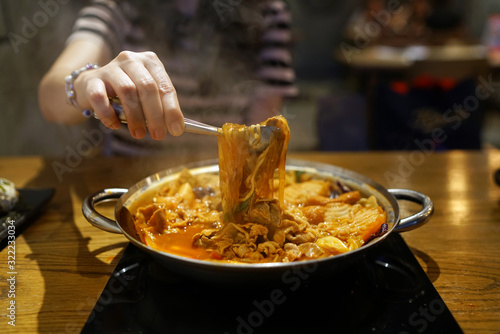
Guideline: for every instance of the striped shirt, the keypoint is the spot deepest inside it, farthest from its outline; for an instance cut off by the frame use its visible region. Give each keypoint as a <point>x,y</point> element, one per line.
<point>220,55</point>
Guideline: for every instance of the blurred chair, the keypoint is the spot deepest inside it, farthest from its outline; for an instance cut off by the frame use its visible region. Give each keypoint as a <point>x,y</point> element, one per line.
<point>342,123</point>
<point>428,113</point>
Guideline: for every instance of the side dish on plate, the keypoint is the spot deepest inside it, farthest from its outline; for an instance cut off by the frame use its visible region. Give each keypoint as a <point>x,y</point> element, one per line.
<point>8,195</point>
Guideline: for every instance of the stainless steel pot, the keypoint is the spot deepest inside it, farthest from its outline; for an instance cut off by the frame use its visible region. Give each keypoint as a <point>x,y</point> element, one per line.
<point>223,272</point>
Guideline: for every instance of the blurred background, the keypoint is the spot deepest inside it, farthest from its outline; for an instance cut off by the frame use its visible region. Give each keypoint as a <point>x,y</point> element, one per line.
<point>373,75</point>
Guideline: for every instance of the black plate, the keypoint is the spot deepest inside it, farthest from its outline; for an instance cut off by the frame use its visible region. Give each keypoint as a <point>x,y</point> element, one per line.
<point>30,205</point>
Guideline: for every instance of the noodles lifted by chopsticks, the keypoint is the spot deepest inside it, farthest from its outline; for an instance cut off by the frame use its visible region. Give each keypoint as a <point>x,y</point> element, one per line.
<point>247,163</point>
<point>254,211</point>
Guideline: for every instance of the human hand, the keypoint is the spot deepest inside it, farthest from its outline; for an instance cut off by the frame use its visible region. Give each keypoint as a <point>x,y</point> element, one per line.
<point>144,88</point>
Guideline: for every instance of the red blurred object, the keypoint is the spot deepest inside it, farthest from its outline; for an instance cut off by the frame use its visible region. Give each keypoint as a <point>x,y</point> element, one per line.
<point>400,87</point>
<point>447,83</point>
<point>424,81</point>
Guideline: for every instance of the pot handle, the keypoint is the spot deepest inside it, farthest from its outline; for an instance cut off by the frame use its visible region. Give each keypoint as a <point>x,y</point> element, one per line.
<point>418,219</point>
<point>94,217</point>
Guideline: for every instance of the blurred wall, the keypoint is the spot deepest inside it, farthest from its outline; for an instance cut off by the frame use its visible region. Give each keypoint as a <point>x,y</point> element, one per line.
<point>478,11</point>
<point>32,34</point>
<point>319,28</point>
<point>41,27</point>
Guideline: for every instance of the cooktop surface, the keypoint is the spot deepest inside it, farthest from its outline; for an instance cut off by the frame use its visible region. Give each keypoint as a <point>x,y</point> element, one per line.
<point>386,291</point>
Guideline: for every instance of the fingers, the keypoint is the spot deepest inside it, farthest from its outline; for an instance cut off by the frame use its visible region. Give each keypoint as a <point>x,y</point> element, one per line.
<point>172,114</point>
<point>146,93</point>
<point>98,98</point>
<point>140,99</point>
<point>126,89</point>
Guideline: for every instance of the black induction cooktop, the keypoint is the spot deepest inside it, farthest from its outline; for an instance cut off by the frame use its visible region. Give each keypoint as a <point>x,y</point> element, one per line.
<point>386,291</point>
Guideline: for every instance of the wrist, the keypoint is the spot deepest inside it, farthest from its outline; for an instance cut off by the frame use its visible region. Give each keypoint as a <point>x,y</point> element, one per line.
<point>70,84</point>
<point>80,89</point>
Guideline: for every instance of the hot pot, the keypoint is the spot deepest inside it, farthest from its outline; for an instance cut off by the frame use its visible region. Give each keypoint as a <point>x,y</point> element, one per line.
<point>209,271</point>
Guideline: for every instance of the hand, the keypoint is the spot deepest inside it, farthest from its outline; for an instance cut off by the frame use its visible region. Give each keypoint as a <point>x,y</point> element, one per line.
<point>145,91</point>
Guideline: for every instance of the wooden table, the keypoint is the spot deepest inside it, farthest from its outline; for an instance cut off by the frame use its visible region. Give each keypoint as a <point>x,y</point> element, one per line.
<point>63,263</point>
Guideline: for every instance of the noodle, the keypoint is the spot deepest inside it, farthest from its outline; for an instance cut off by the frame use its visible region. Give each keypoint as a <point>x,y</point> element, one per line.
<point>247,169</point>
<point>254,210</point>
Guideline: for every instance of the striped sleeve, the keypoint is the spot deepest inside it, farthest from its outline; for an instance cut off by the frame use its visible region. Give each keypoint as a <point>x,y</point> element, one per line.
<point>102,19</point>
<point>274,57</point>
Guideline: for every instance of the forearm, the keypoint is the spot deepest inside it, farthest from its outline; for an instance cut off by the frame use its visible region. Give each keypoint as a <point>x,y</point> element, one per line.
<point>52,99</point>
<point>51,92</point>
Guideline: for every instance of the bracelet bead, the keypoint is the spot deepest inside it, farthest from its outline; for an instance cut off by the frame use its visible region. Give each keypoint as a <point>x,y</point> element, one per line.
<point>70,89</point>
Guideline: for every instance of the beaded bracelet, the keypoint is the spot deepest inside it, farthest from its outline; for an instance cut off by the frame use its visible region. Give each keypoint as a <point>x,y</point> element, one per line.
<point>70,89</point>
